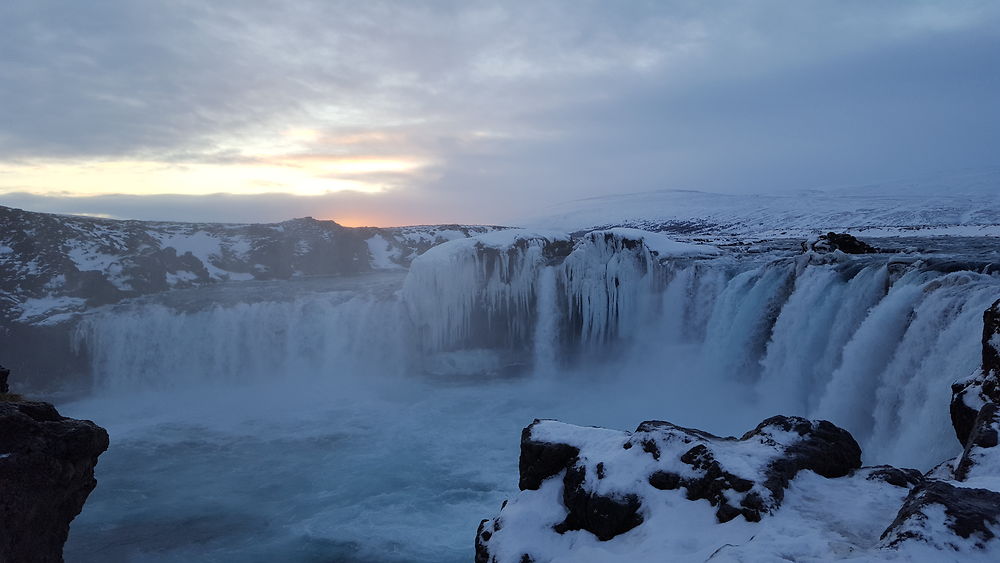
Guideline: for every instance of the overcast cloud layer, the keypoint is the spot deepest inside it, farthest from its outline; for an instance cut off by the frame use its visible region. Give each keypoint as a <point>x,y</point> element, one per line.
<point>478,112</point>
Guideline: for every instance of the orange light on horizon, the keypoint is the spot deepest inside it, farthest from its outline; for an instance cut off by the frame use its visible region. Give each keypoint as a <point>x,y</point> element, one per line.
<point>303,175</point>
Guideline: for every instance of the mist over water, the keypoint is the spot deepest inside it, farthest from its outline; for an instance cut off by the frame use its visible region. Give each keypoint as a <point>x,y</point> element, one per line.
<point>378,418</point>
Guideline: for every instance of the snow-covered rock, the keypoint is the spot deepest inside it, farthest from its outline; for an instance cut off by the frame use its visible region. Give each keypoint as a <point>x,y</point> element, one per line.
<point>981,457</point>
<point>665,492</point>
<point>843,242</point>
<point>607,482</point>
<point>958,521</point>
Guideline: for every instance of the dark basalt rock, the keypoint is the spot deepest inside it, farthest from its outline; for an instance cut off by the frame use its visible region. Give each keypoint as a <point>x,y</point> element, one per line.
<point>541,460</point>
<point>46,473</point>
<point>969,395</point>
<point>603,516</point>
<point>825,449</point>
<point>895,476</point>
<point>991,331</point>
<point>483,535</point>
<point>843,242</point>
<point>4,374</point>
<point>971,513</point>
<point>982,441</point>
<point>712,486</point>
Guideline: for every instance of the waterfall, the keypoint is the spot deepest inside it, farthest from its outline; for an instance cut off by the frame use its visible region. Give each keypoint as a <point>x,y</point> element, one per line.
<point>869,343</point>
<point>149,345</point>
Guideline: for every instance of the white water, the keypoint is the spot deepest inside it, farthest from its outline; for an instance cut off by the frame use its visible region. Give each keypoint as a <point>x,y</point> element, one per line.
<point>303,429</point>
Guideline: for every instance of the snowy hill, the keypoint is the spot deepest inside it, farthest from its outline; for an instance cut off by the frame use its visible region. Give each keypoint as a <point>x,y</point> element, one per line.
<point>966,204</point>
<point>53,264</point>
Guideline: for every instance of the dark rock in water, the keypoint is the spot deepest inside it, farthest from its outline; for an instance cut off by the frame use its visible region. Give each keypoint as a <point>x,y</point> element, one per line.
<point>970,395</point>
<point>46,473</point>
<point>843,242</point>
<point>895,476</point>
<point>981,446</point>
<point>587,460</point>
<point>971,514</point>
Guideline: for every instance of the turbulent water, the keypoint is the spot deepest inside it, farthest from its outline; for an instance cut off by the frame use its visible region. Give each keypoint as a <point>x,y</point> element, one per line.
<point>377,418</point>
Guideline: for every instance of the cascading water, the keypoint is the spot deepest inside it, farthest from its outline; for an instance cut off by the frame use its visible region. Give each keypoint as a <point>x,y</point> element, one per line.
<point>151,345</point>
<point>624,325</point>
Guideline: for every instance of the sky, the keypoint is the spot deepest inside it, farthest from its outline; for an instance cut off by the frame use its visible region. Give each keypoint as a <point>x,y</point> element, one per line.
<point>391,113</point>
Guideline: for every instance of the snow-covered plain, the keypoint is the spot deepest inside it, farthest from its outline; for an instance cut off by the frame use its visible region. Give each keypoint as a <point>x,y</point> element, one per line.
<point>959,204</point>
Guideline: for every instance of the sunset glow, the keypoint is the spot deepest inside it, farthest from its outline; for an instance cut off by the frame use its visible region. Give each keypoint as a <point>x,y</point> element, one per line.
<point>301,175</point>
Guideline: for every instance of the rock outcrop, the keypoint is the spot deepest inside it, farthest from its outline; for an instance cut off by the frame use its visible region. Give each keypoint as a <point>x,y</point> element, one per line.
<point>843,242</point>
<point>983,386</point>
<point>46,473</point>
<point>607,477</point>
<point>981,453</point>
<point>970,516</point>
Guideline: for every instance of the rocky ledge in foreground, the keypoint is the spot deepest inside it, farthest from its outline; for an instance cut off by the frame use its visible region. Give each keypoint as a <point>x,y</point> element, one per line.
<point>46,473</point>
<point>790,489</point>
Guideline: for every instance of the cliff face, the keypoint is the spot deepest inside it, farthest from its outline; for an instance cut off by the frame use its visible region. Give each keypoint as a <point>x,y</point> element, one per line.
<point>46,473</point>
<point>982,387</point>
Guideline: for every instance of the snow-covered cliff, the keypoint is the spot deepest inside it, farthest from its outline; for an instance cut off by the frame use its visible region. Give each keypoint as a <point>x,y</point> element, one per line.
<point>55,265</point>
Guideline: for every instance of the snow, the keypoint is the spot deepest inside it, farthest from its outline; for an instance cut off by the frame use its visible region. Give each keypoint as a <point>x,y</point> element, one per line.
<point>957,205</point>
<point>384,256</point>
<point>663,245</point>
<point>90,259</point>
<point>199,243</point>
<point>180,277</point>
<point>820,519</point>
<point>50,309</point>
<point>205,247</point>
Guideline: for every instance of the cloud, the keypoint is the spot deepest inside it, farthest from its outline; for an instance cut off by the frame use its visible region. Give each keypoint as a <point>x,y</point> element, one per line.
<point>347,207</point>
<point>504,106</point>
